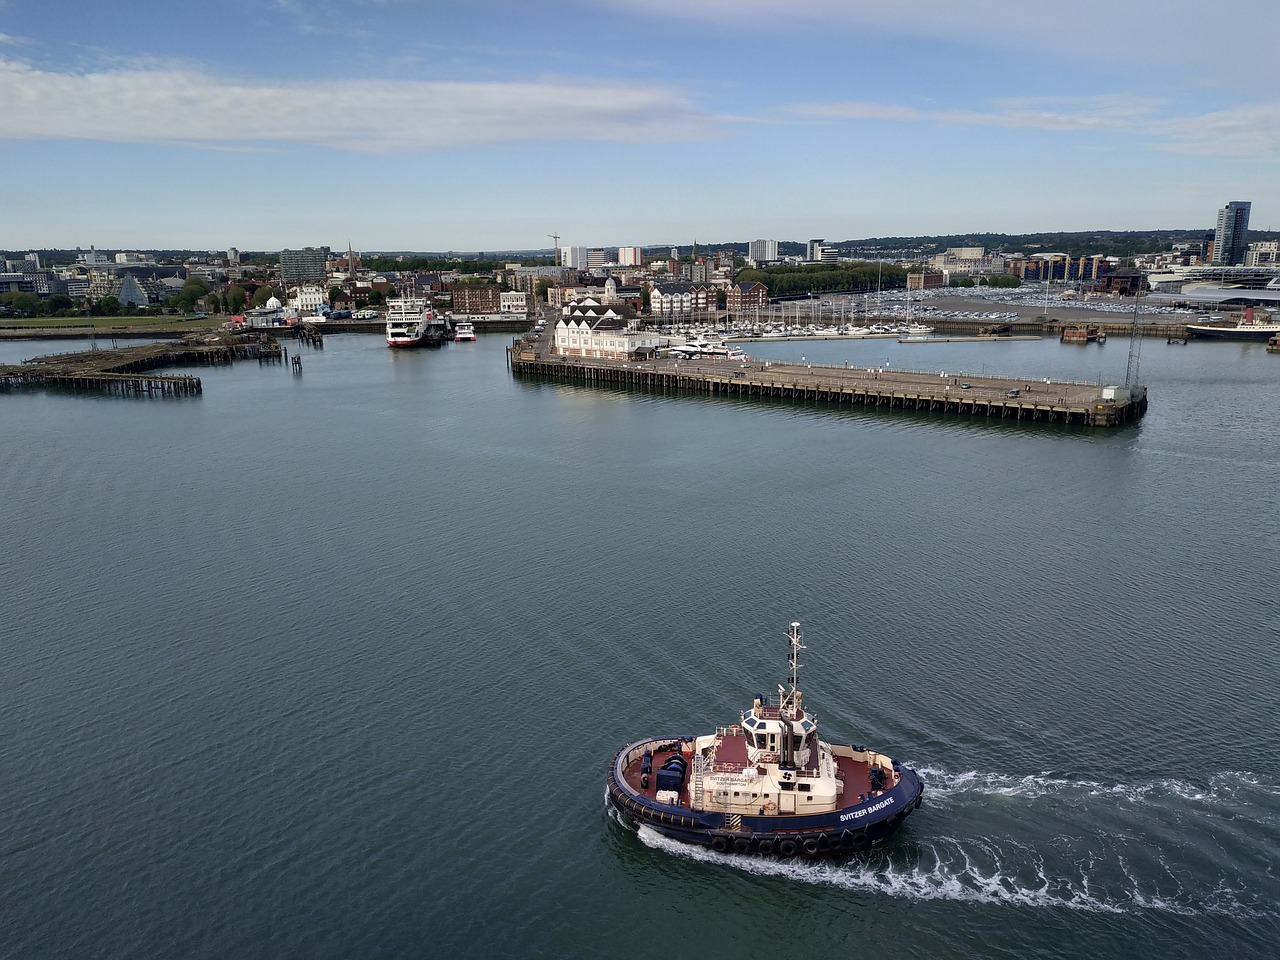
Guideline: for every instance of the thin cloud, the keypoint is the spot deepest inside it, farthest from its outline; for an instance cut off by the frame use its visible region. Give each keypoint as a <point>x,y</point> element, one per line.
<point>1182,32</point>
<point>1030,24</point>
<point>1250,131</point>
<point>175,104</point>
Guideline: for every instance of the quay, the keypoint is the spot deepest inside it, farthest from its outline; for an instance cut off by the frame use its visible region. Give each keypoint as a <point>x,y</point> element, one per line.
<point>125,371</point>
<point>1065,402</point>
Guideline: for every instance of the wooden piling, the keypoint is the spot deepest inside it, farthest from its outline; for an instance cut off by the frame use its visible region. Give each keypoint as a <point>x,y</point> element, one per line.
<point>124,371</point>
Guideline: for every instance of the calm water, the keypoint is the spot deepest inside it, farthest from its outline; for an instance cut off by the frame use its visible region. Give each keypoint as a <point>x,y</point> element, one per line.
<point>332,665</point>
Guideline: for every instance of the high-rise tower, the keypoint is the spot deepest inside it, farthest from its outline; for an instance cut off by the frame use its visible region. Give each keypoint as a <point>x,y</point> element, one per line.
<point>1231,236</point>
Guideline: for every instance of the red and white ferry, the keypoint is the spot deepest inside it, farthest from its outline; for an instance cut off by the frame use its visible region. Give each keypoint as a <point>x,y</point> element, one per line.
<point>408,321</point>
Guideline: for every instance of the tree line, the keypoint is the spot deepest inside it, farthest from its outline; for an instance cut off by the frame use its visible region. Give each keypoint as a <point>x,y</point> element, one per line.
<point>786,281</point>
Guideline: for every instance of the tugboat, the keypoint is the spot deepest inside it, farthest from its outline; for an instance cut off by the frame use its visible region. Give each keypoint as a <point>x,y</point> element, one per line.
<point>765,785</point>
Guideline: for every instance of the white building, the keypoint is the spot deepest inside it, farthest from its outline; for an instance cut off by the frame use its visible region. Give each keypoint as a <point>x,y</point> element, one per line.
<point>630,256</point>
<point>676,298</point>
<point>589,328</point>
<point>762,251</point>
<point>1262,253</point>
<point>573,257</point>
<point>961,260</point>
<point>307,300</point>
<point>514,301</point>
<point>91,259</point>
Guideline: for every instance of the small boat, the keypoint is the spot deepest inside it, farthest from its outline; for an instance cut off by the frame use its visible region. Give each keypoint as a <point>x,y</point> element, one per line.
<point>766,784</point>
<point>464,330</point>
<point>408,321</point>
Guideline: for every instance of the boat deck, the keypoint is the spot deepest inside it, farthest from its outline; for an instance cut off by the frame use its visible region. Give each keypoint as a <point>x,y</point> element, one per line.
<point>731,757</point>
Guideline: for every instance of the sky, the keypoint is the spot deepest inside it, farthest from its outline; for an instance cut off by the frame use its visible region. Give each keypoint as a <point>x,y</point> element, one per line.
<point>421,125</point>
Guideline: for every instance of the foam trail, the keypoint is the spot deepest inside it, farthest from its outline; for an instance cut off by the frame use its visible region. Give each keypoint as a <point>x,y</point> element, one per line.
<point>943,786</point>
<point>978,872</point>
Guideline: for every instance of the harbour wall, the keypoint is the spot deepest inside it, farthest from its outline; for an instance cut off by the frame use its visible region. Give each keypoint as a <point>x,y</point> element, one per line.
<point>1073,403</point>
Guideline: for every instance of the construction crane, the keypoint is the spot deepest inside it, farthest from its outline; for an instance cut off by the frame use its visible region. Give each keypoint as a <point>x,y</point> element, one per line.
<point>556,238</point>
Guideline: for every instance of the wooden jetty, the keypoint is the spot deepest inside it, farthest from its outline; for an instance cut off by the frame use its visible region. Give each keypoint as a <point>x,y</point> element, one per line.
<point>126,371</point>
<point>1066,402</point>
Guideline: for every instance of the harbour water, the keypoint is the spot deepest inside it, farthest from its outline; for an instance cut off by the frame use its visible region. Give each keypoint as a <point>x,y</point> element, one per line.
<point>332,665</point>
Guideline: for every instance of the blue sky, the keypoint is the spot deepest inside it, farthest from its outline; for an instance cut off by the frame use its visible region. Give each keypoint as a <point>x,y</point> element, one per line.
<point>490,124</point>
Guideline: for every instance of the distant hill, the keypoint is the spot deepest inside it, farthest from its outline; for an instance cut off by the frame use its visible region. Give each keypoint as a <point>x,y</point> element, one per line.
<point>1111,243</point>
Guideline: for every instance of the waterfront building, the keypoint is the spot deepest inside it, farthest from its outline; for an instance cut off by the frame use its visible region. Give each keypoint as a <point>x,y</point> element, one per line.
<point>746,296</point>
<point>676,298</point>
<point>1230,237</point>
<point>307,300</point>
<point>1058,266</point>
<point>515,301</point>
<point>589,328</point>
<point>1229,280</point>
<point>476,298</point>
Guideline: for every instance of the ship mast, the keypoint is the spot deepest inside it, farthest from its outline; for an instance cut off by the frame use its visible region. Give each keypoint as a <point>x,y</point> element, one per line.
<point>790,700</point>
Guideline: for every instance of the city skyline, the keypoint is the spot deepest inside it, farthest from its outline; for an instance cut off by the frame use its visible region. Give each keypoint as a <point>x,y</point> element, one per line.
<point>417,126</point>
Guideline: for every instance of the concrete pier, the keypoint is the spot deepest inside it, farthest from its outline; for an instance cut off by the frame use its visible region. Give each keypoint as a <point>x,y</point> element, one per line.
<point>1068,402</point>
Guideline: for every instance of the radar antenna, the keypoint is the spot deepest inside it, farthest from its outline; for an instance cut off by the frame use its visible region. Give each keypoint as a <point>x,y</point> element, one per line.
<point>790,700</point>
